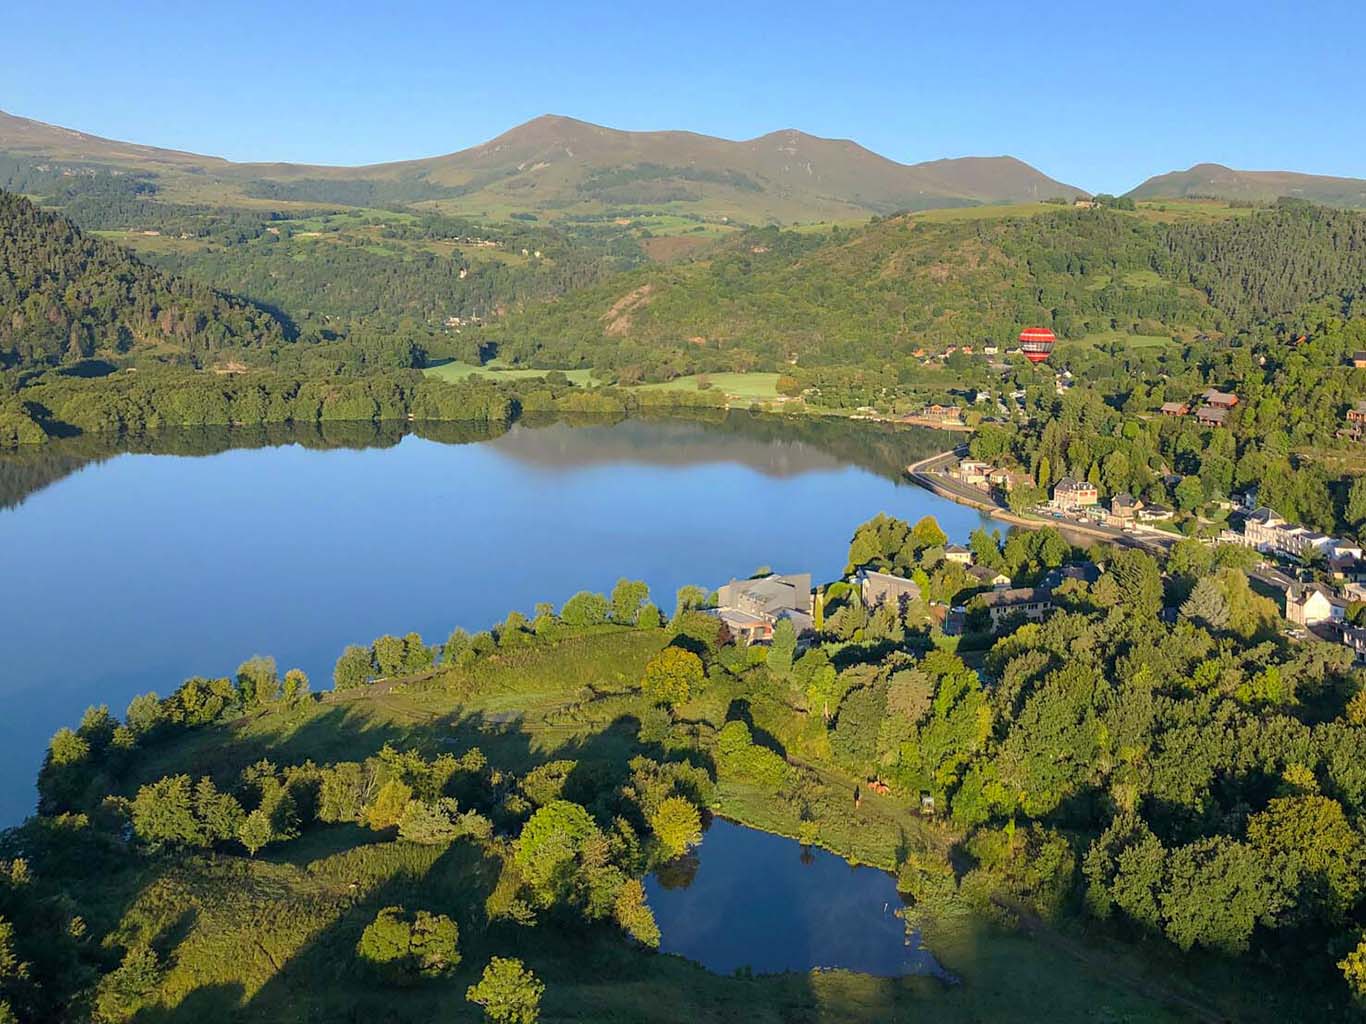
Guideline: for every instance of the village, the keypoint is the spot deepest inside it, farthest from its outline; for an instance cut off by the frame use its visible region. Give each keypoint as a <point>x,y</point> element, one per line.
<point>1319,580</point>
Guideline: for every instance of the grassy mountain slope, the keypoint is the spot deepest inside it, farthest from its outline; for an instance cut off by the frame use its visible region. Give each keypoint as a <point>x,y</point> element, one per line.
<point>561,166</point>
<point>876,295</point>
<point>66,295</point>
<point>1253,186</point>
<point>863,296</point>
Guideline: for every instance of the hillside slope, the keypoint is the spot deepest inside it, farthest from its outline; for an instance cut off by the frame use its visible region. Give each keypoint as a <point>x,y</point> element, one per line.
<point>1220,182</point>
<point>874,296</point>
<point>559,166</point>
<point>67,296</point>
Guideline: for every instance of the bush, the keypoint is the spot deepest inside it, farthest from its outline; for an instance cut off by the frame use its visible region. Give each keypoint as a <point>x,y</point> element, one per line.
<point>401,948</point>
<point>671,676</point>
<point>738,757</point>
<point>508,992</point>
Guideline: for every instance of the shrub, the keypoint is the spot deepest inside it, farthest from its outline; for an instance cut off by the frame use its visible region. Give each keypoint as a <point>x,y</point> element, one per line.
<point>671,676</point>
<point>508,992</point>
<point>401,947</point>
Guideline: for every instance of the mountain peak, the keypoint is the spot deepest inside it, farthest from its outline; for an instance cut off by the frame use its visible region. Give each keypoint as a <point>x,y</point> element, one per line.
<point>1211,180</point>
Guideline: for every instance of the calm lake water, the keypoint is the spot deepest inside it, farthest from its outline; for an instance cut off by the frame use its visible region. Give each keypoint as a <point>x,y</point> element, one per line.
<point>128,572</point>
<point>750,899</point>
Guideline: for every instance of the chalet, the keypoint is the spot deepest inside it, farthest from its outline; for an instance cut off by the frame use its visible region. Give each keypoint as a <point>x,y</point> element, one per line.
<point>1175,409</point>
<point>880,588</point>
<point>958,553</point>
<point>1070,495</point>
<point>989,577</point>
<point>1211,416</point>
<point>751,608</point>
<point>1219,399</point>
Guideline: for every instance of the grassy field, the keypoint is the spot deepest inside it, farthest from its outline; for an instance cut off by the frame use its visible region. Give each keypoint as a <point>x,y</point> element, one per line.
<point>752,387</point>
<point>1106,338</point>
<point>456,370</point>
<point>273,938</point>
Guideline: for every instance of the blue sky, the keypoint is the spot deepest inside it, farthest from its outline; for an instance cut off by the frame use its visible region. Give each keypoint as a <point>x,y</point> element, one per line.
<point>1098,95</point>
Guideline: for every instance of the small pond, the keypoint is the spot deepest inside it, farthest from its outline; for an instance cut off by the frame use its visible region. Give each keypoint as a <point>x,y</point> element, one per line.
<point>747,898</point>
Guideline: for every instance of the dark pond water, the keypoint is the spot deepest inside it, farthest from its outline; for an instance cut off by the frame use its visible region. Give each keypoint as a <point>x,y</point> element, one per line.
<point>122,572</point>
<point>750,899</point>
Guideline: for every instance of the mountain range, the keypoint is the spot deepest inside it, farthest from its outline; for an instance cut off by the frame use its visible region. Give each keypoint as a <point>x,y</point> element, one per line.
<point>553,167</point>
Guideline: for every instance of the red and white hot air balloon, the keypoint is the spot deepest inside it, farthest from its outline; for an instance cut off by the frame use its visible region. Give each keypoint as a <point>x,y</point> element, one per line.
<point>1036,342</point>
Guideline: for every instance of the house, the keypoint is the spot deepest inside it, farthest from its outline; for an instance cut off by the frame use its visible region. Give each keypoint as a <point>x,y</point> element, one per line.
<point>1211,416</point>
<point>1260,529</point>
<point>879,588</point>
<point>973,472</point>
<point>1310,605</point>
<point>1356,421</point>
<point>1070,495</point>
<point>1153,514</point>
<point>1359,360</point>
<point>1175,409</point>
<point>1123,508</point>
<point>989,577</point>
<point>943,413</point>
<point>958,553</point>
<point>751,608</point>
<point>1354,638</point>
<point>1220,399</point>
<point>1009,479</point>
<point>1034,603</point>
<point>1087,572</point>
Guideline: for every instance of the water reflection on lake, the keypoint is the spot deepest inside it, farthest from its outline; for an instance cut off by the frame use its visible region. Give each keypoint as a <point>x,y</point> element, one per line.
<point>124,571</point>
<point>746,898</point>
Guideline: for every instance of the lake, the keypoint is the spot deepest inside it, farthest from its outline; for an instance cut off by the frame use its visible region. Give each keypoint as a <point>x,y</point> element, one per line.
<point>129,570</point>
<point>746,898</point>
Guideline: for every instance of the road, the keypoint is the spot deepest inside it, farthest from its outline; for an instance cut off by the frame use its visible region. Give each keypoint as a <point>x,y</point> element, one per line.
<point>931,474</point>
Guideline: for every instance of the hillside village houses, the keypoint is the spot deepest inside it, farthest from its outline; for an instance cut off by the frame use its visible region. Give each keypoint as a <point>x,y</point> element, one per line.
<point>751,608</point>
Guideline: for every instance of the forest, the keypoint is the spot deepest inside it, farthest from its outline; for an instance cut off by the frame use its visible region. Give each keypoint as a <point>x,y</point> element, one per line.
<point>1096,776</point>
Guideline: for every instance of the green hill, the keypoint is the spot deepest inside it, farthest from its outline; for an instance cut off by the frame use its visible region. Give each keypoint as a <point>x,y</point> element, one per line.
<point>67,296</point>
<point>877,295</point>
<point>1219,182</point>
<point>560,168</point>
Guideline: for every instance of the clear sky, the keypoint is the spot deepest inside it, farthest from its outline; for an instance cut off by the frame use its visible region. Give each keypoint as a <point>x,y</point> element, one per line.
<point>1100,95</point>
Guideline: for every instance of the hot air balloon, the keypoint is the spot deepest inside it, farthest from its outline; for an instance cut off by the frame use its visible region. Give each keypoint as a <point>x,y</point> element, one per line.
<point>1036,342</point>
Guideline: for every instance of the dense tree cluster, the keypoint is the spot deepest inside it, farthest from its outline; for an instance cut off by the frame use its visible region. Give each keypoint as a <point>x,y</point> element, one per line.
<point>66,295</point>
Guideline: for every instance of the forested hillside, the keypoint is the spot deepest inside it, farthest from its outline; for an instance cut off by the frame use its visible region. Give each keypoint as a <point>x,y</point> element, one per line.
<point>871,296</point>
<point>68,296</point>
